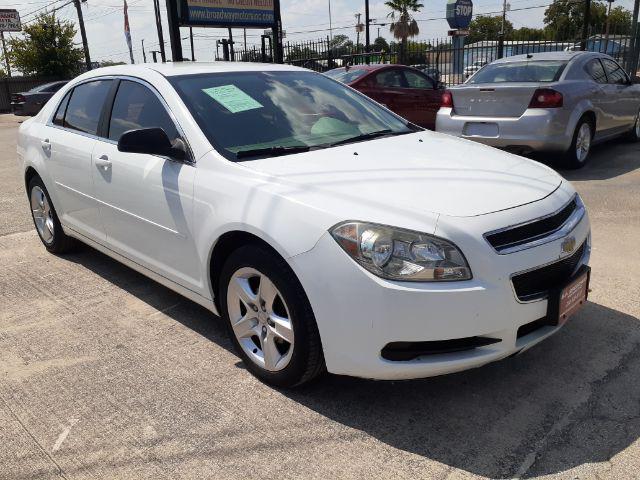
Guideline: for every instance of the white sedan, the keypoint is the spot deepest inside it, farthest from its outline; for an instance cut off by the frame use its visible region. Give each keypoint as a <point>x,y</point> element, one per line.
<point>329,233</point>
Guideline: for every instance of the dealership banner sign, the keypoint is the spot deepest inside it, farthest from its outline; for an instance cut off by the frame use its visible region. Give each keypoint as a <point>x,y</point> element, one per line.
<point>226,13</point>
<point>10,21</point>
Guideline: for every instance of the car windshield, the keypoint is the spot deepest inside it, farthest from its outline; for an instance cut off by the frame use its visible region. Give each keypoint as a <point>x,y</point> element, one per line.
<point>346,75</point>
<point>527,71</point>
<point>280,112</point>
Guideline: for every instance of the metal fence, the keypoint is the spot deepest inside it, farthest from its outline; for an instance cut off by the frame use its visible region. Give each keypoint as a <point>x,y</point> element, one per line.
<point>9,85</point>
<point>439,57</point>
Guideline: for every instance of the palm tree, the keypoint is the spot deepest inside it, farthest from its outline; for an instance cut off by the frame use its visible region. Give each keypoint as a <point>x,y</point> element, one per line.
<point>403,25</point>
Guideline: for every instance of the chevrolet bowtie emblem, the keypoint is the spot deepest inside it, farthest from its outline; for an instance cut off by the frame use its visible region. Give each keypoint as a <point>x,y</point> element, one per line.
<point>568,245</point>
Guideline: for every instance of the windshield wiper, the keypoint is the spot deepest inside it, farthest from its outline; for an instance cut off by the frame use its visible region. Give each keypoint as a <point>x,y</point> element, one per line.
<point>274,151</point>
<point>366,136</point>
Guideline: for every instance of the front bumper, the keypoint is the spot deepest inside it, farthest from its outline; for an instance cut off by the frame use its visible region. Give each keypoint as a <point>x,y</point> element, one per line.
<point>535,130</point>
<point>358,314</point>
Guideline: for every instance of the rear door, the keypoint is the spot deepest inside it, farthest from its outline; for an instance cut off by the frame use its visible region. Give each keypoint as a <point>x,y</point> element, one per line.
<point>423,99</point>
<point>146,200</point>
<point>621,103</point>
<point>70,139</point>
<point>598,94</point>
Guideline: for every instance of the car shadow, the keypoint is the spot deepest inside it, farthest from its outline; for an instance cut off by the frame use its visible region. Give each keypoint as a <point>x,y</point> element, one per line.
<point>607,160</point>
<point>569,401</point>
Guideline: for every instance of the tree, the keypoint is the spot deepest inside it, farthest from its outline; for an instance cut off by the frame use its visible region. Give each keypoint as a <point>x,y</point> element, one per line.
<point>484,27</point>
<point>380,45</point>
<point>47,49</point>
<point>340,45</point>
<point>403,25</point>
<point>564,19</point>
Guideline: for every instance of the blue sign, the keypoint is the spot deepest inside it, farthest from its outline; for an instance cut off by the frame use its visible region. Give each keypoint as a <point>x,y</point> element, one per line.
<point>459,13</point>
<point>226,13</point>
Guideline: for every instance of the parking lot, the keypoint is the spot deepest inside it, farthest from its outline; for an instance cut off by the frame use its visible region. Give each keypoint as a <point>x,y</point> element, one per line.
<point>106,374</point>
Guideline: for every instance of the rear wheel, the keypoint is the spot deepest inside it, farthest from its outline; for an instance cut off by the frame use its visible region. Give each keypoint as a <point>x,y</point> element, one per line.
<point>270,320</point>
<point>577,155</point>
<point>634,133</point>
<point>46,220</point>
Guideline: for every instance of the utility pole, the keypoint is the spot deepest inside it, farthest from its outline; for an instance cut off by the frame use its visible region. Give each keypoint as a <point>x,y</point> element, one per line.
<point>586,25</point>
<point>245,39</point>
<point>6,57</point>
<point>505,5</point>
<point>358,15</point>
<point>156,7</point>
<point>367,39</point>
<point>83,33</point>
<point>607,26</point>
<point>330,26</point>
<point>144,55</point>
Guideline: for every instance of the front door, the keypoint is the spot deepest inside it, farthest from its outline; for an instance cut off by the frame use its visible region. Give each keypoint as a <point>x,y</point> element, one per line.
<point>146,200</point>
<point>423,99</point>
<point>620,104</point>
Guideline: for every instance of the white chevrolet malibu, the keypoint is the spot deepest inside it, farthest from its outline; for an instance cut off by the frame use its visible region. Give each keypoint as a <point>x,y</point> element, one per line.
<point>326,231</point>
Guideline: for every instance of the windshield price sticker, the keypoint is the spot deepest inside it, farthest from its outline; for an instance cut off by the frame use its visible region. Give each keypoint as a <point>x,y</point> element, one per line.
<point>232,98</point>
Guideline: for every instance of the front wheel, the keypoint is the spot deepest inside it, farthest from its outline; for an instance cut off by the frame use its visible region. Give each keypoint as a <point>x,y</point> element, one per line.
<point>578,153</point>
<point>270,320</point>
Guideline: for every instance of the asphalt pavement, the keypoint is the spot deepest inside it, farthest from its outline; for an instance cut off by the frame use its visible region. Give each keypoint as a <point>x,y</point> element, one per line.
<point>106,374</point>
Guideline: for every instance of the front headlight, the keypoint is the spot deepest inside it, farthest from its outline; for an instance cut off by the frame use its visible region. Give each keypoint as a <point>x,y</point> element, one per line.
<point>399,254</point>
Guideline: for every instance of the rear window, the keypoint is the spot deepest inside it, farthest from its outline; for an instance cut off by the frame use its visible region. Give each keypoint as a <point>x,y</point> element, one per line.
<point>533,71</point>
<point>85,106</point>
<point>346,76</point>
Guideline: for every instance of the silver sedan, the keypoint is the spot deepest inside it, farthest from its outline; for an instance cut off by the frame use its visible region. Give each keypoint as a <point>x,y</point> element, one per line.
<point>553,101</point>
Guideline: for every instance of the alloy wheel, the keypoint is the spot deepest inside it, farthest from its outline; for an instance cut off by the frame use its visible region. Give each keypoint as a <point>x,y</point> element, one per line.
<point>583,142</point>
<point>260,319</point>
<point>42,215</point>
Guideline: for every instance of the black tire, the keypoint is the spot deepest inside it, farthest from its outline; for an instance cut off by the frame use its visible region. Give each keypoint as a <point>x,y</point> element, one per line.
<point>571,159</point>
<point>634,134</point>
<point>61,243</point>
<point>307,360</point>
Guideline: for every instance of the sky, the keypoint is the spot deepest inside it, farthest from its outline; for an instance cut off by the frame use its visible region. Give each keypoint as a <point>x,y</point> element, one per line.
<point>302,20</point>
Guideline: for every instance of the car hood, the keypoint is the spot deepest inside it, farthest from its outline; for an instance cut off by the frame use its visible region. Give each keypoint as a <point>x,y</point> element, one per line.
<point>420,172</point>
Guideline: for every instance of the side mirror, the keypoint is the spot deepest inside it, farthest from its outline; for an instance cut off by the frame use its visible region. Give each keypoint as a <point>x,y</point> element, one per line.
<point>152,141</point>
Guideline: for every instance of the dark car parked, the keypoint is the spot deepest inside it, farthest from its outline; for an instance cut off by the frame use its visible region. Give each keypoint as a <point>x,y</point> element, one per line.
<point>404,90</point>
<point>30,103</point>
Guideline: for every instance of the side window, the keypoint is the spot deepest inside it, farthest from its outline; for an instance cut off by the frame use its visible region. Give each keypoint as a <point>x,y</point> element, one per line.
<point>615,72</point>
<point>390,78</point>
<point>596,71</point>
<point>415,80</point>
<point>136,107</point>
<point>58,118</point>
<point>85,106</point>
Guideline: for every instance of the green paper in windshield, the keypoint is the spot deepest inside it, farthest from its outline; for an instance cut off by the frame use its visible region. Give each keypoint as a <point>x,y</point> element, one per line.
<point>232,98</point>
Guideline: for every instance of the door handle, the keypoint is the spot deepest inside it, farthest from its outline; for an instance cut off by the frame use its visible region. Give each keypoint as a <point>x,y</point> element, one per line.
<point>103,163</point>
<point>46,145</point>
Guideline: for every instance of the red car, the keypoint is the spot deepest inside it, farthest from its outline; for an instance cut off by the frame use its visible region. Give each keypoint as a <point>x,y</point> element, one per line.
<point>403,90</point>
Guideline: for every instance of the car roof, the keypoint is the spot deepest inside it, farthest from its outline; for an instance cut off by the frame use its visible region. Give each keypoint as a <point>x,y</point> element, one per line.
<point>372,67</point>
<point>170,69</point>
<point>561,55</point>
